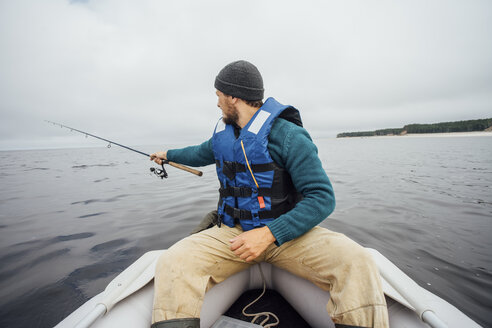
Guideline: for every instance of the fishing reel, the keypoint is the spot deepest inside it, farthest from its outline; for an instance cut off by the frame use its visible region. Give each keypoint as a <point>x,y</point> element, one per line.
<point>160,173</point>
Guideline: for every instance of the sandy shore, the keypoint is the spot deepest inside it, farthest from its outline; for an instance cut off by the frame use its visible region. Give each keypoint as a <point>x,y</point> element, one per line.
<point>451,134</point>
<point>435,135</point>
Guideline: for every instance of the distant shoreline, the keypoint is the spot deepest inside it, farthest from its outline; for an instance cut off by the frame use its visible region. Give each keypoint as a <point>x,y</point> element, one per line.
<point>432,135</point>
<point>469,126</point>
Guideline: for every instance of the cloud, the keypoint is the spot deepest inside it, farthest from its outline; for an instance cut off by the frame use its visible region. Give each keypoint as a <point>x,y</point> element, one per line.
<point>142,72</point>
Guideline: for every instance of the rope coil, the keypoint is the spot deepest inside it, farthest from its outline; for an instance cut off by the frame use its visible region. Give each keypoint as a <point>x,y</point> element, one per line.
<point>256,316</point>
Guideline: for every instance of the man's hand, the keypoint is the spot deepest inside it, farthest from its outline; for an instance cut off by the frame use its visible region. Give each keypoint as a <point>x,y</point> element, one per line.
<point>158,157</point>
<point>251,244</point>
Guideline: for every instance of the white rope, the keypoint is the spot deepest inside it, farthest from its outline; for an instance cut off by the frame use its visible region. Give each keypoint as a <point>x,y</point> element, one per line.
<point>260,314</point>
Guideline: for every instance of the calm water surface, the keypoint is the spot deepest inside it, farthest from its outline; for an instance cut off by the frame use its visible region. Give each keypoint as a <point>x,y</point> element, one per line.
<point>72,219</point>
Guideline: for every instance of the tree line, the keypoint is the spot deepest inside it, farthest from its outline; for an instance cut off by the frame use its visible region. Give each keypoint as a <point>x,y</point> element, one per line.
<point>443,127</point>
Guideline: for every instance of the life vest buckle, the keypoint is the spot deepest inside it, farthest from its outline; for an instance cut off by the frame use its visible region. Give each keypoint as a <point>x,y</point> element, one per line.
<point>256,219</point>
<point>229,169</point>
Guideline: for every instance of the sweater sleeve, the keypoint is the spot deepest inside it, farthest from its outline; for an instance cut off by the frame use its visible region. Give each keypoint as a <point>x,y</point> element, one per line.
<point>200,155</point>
<point>299,156</point>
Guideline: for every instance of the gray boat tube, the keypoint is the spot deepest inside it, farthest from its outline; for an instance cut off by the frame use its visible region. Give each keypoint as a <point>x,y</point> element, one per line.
<point>408,289</point>
<point>95,314</point>
<point>430,318</point>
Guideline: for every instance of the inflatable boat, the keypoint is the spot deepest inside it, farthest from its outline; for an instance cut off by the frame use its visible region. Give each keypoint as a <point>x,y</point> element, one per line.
<point>127,300</point>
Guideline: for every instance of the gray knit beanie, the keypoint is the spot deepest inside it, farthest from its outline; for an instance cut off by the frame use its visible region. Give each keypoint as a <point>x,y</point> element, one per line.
<point>240,79</point>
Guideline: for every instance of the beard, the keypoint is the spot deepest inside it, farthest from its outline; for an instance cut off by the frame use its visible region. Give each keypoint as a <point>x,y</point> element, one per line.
<point>231,115</point>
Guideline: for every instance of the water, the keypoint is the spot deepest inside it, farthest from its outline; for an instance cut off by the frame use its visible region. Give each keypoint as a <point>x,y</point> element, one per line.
<point>72,219</point>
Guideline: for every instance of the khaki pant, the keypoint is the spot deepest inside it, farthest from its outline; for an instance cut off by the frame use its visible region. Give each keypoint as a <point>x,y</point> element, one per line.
<point>330,260</point>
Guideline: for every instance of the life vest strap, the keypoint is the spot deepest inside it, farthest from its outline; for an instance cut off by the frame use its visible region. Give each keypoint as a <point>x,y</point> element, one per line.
<point>239,167</point>
<point>244,192</point>
<point>235,192</point>
<point>240,214</point>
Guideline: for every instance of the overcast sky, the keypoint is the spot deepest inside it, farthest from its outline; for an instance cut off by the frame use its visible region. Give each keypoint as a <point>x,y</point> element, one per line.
<point>142,72</point>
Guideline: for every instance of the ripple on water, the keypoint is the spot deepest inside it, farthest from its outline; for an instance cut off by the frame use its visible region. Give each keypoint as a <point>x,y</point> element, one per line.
<point>100,180</point>
<point>37,169</point>
<point>91,215</point>
<point>12,270</point>
<point>82,235</point>
<point>86,166</point>
<point>109,245</point>
<point>96,200</point>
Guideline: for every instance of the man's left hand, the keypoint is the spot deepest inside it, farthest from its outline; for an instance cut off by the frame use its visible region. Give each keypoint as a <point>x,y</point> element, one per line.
<point>158,157</point>
<point>251,244</point>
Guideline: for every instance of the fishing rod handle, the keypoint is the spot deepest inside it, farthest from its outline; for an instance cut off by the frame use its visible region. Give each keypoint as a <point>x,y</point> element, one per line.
<point>186,168</point>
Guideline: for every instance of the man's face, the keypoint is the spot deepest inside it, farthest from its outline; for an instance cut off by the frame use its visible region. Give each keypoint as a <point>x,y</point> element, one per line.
<point>230,115</point>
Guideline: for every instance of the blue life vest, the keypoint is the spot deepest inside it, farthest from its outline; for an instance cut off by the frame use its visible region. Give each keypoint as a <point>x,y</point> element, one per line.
<point>242,199</point>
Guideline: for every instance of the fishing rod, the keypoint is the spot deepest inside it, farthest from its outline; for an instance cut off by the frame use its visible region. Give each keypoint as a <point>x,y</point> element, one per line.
<point>161,173</point>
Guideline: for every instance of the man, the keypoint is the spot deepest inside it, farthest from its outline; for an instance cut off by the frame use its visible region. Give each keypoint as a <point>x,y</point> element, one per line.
<point>273,193</point>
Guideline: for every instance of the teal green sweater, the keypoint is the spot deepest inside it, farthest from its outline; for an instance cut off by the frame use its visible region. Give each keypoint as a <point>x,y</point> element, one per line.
<point>291,147</point>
